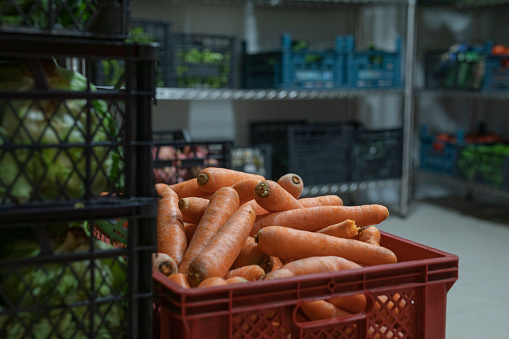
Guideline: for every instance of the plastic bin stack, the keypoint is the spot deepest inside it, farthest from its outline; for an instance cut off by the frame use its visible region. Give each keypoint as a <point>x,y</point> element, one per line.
<point>468,67</point>
<point>331,153</point>
<point>296,66</point>
<point>77,201</point>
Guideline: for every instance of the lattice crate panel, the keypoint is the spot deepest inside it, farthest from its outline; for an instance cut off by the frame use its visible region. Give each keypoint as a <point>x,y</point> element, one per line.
<point>86,18</point>
<point>57,280</point>
<point>64,137</point>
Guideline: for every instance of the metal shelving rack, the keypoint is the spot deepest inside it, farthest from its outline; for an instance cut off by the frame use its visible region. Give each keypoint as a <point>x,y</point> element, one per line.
<point>424,94</point>
<point>277,95</point>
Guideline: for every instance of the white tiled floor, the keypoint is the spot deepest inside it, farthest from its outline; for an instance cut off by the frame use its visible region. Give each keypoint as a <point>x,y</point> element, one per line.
<point>478,233</point>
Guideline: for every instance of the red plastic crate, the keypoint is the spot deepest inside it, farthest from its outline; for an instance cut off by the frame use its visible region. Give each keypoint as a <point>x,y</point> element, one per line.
<point>268,309</point>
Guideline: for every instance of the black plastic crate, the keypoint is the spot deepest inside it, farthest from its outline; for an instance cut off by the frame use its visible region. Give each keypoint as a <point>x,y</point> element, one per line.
<point>159,31</point>
<point>176,158</point>
<point>256,159</point>
<point>320,153</point>
<point>66,18</point>
<point>202,61</point>
<point>377,154</point>
<point>64,142</point>
<point>274,133</point>
<point>57,280</point>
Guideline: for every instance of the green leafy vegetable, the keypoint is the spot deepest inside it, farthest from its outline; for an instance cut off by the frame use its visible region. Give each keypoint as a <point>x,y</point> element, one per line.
<point>61,130</point>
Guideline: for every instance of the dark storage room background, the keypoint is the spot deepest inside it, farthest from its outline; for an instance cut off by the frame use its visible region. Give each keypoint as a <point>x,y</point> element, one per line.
<point>260,25</point>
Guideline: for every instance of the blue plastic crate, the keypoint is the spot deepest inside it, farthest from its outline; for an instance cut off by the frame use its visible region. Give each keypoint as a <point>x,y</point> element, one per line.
<point>496,73</point>
<point>439,156</point>
<point>373,68</point>
<point>296,69</point>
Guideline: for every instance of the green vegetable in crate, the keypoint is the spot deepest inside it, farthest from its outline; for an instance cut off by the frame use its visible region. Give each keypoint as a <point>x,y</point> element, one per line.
<point>43,141</point>
<point>69,14</point>
<point>55,294</point>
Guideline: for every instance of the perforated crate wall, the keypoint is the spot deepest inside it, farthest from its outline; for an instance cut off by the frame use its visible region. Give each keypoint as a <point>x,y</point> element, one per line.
<point>60,18</point>
<point>85,145</point>
<point>406,300</point>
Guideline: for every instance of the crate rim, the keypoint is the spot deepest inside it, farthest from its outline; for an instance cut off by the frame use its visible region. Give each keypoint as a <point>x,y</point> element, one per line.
<point>443,258</point>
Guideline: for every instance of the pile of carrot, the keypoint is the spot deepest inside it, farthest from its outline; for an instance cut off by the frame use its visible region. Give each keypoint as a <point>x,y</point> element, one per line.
<point>227,226</point>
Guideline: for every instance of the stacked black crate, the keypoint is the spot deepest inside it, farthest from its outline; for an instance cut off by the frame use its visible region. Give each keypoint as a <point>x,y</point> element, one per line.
<point>77,201</point>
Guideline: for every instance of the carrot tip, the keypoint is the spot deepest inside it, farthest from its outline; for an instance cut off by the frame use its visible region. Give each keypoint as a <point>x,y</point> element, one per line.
<point>202,178</point>
<point>262,189</point>
<point>296,180</point>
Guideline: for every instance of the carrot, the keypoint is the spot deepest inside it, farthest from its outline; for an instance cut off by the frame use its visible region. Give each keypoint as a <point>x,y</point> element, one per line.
<point>236,280</point>
<point>370,234</point>
<point>277,264</point>
<point>212,281</point>
<point>292,183</point>
<point>312,265</point>
<point>321,309</point>
<point>274,198</point>
<point>192,208</point>
<point>345,229</point>
<point>171,237</point>
<point>223,203</point>
<point>355,303</point>
<point>189,229</point>
<point>180,279</point>
<point>245,189</point>
<point>250,254</point>
<point>258,209</point>
<point>250,272</point>
<point>188,188</point>
<point>211,179</point>
<point>224,247</point>
<point>160,187</point>
<point>164,263</point>
<point>315,218</point>
<point>321,200</point>
<point>287,242</point>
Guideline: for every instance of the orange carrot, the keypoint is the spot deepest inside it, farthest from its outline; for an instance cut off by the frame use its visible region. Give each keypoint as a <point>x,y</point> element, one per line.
<point>321,200</point>
<point>321,309</point>
<point>223,203</point>
<point>245,189</point>
<point>171,237</point>
<point>236,280</point>
<point>370,234</point>
<point>181,279</point>
<point>189,229</point>
<point>277,264</point>
<point>345,229</point>
<point>287,242</point>
<point>355,303</point>
<point>164,263</point>
<point>274,198</point>
<point>312,265</point>
<point>212,281</point>
<point>250,272</point>
<point>250,254</point>
<point>315,218</point>
<point>292,183</point>
<point>224,247</point>
<point>258,209</point>
<point>188,188</point>
<point>160,187</point>
<point>211,179</point>
<point>192,208</point>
